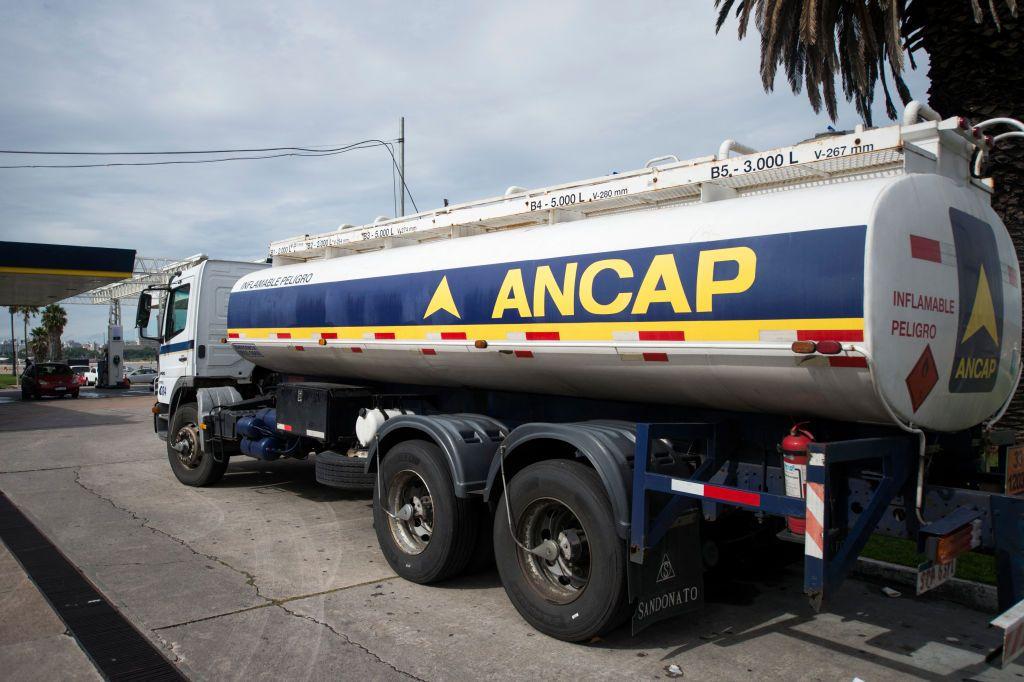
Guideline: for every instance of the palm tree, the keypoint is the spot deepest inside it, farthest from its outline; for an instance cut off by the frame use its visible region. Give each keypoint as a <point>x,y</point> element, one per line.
<point>27,313</point>
<point>55,318</point>
<point>974,49</point>
<point>40,343</point>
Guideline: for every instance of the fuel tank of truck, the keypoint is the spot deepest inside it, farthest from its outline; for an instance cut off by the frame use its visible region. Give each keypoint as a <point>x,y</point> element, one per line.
<point>908,286</point>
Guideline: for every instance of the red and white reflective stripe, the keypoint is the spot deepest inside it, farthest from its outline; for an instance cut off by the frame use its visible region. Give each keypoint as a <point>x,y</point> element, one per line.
<point>830,335</point>
<point>814,536</point>
<point>924,248</point>
<point>523,353</point>
<point>715,492</point>
<point>233,335</point>
<point>328,335</point>
<point>284,427</point>
<point>650,335</point>
<point>655,357</point>
<point>299,348</point>
<point>284,335</point>
<point>1011,622</point>
<point>848,361</point>
<point>428,351</point>
<point>776,335</point>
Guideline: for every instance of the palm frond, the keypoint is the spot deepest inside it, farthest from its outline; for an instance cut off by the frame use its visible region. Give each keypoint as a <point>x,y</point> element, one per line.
<point>813,41</point>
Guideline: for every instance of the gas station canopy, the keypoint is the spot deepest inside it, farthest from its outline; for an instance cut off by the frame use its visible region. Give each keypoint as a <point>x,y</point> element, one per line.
<point>40,274</point>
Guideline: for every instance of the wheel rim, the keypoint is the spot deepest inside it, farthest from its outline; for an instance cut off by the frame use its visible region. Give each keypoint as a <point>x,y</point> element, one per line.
<point>412,512</point>
<point>565,578</point>
<point>186,445</point>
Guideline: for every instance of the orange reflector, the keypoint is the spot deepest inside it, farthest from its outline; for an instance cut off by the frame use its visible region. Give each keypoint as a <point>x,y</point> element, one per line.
<point>829,347</point>
<point>202,427</point>
<point>322,342</point>
<point>804,347</point>
<point>480,343</point>
<point>949,547</point>
<point>223,340</point>
<point>155,409</point>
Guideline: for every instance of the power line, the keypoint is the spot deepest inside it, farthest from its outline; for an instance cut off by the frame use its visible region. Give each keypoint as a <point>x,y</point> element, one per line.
<point>287,151</point>
<point>314,148</point>
<point>186,161</point>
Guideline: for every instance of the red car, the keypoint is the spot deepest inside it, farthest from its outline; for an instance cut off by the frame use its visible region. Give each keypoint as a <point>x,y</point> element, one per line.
<point>48,378</point>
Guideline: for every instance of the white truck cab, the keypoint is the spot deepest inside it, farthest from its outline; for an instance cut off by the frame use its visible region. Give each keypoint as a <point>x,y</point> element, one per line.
<point>192,322</point>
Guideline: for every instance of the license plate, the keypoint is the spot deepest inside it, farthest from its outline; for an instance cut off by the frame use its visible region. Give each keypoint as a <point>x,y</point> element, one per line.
<point>60,388</point>
<point>930,575</point>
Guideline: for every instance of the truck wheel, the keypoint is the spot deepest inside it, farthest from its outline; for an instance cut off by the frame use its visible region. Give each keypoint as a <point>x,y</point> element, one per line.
<point>189,463</point>
<point>430,533</point>
<point>581,593</point>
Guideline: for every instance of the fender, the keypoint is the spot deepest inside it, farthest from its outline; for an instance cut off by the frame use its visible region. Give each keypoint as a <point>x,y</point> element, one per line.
<point>468,442</point>
<point>607,445</point>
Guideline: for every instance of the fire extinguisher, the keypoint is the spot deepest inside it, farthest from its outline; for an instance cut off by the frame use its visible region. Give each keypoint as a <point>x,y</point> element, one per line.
<point>794,469</point>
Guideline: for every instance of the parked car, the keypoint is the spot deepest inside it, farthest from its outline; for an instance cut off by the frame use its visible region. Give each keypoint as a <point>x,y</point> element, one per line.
<point>142,376</point>
<point>49,379</point>
<point>86,376</point>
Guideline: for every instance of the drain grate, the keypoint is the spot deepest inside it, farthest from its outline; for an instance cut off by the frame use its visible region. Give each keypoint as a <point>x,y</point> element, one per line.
<point>118,650</point>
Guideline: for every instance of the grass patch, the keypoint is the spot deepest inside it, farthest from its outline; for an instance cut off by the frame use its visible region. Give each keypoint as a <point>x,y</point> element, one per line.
<point>6,381</point>
<point>980,568</point>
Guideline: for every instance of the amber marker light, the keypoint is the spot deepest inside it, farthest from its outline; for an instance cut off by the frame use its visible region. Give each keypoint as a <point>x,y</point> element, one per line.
<point>804,347</point>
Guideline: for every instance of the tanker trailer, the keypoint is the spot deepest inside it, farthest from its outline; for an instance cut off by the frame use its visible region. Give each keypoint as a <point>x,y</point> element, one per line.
<point>587,378</point>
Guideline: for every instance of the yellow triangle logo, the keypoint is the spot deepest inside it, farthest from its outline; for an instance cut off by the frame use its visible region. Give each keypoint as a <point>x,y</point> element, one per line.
<point>983,314</point>
<point>442,300</point>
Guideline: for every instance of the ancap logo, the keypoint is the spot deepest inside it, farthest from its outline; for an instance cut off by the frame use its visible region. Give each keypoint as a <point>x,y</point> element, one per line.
<point>976,358</point>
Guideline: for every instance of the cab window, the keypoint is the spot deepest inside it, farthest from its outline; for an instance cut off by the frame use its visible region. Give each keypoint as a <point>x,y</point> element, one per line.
<point>177,311</point>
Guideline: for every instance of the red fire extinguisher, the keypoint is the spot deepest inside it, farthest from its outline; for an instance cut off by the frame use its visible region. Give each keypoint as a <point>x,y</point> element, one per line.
<point>794,470</point>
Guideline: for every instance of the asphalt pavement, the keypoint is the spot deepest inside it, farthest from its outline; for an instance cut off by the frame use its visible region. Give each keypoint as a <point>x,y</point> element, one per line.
<point>268,575</point>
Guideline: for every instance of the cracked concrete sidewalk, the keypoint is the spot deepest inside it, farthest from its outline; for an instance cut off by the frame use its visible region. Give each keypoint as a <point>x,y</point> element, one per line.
<point>268,575</point>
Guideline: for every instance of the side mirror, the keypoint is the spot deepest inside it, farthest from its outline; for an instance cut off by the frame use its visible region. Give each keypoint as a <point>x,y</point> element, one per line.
<point>143,311</point>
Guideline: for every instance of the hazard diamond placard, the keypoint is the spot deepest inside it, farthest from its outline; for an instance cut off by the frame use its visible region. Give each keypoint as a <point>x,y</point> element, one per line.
<point>922,378</point>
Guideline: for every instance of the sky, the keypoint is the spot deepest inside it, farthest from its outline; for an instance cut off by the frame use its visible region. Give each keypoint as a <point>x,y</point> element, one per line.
<point>494,94</point>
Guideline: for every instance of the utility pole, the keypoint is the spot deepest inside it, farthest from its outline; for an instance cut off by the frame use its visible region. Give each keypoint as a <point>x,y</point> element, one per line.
<point>401,164</point>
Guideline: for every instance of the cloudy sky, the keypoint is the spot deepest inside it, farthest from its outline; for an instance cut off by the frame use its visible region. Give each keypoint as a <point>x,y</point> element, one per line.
<point>494,94</point>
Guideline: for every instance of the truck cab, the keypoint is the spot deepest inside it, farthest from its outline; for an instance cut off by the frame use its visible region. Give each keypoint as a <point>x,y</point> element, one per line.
<point>189,329</point>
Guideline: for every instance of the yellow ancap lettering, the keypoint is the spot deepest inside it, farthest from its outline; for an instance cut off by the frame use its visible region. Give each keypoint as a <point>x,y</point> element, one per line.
<point>661,285</point>
<point>512,295</point>
<point>617,304</point>
<point>544,284</point>
<point>708,286</point>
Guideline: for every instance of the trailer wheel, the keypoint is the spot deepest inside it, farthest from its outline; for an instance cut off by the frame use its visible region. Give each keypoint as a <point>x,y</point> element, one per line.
<point>189,463</point>
<point>429,534</point>
<point>582,592</point>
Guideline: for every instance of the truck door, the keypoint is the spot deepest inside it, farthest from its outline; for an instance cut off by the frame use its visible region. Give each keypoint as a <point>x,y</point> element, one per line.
<point>177,349</point>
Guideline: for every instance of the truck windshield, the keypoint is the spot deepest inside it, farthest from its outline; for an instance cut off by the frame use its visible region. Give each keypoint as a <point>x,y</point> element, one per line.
<point>177,312</point>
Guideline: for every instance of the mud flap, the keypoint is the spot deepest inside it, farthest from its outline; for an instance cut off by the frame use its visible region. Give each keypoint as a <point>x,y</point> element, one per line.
<point>671,579</point>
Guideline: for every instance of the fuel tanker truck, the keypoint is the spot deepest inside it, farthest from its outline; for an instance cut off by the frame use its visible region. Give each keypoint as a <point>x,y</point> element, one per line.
<point>603,384</point>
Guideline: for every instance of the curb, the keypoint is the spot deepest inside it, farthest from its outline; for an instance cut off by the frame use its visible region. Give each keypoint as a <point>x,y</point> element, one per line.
<point>965,592</point>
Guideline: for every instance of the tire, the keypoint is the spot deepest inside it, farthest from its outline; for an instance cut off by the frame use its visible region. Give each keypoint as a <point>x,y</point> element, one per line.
<point>453,522</point>
<point>346,473</point>
<point>203,469</point>
<point>566,611</point>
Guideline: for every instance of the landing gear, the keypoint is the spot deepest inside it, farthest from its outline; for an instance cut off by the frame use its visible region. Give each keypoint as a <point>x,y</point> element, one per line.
<point>570,580</point>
